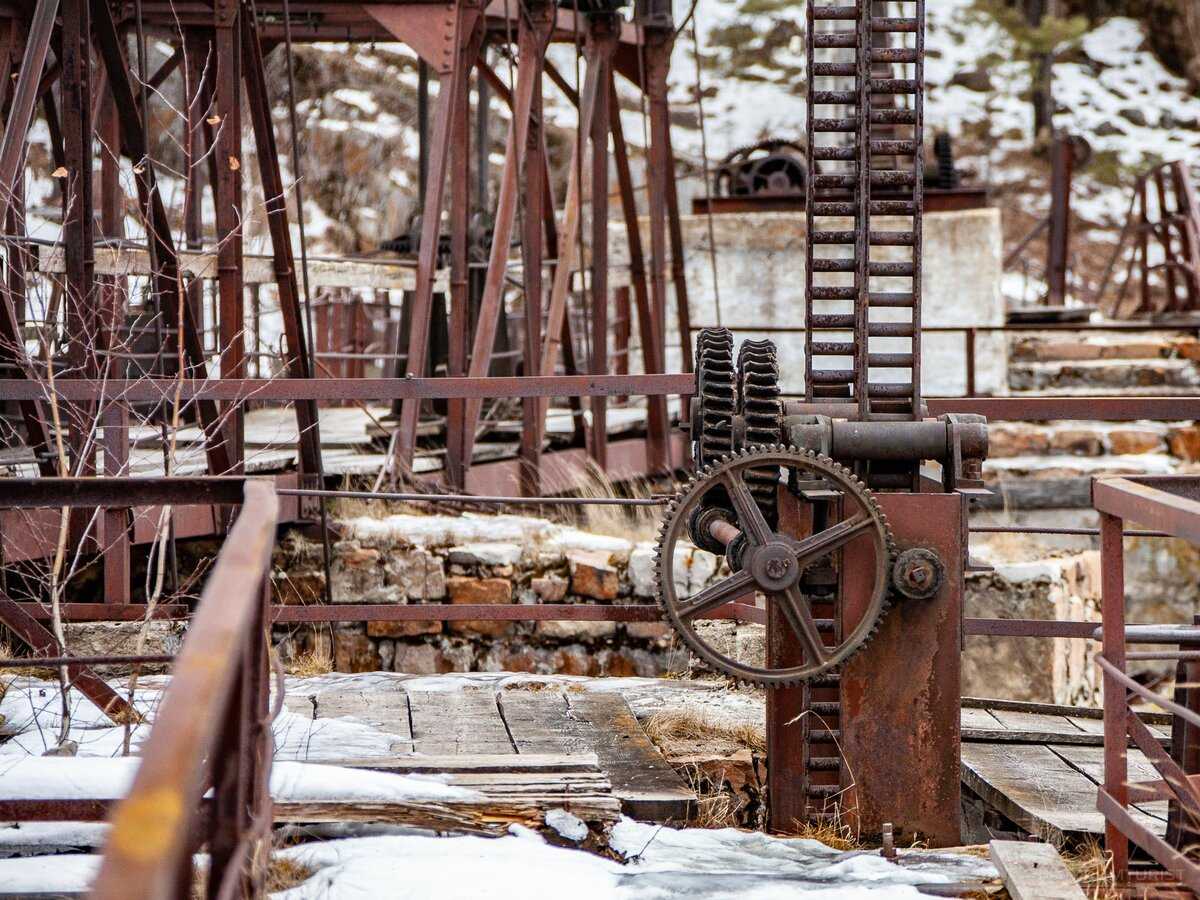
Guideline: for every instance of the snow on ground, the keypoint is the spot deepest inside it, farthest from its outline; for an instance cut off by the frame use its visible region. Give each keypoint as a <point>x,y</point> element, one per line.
<point>659,863</point>
<point>82,777</point>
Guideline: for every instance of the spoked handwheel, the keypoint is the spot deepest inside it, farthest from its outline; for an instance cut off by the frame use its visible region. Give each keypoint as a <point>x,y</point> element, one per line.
<point>764,561</point>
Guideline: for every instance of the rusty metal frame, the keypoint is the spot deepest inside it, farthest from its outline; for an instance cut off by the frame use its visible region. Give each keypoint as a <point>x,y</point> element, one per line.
<point>1171,503</point>
<point>224,742</point>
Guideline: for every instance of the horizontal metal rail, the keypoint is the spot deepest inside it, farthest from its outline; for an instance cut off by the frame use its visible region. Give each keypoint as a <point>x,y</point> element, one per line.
<point>287,390</point>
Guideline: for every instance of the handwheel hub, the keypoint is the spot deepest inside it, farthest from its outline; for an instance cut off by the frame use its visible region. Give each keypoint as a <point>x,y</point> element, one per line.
<point>773,566</point>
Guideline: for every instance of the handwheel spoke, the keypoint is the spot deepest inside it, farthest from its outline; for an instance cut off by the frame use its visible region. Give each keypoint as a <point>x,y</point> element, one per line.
<point>725,591</point>
<point>799,616</point>
<point>824,542</point>
<point>750,517</point>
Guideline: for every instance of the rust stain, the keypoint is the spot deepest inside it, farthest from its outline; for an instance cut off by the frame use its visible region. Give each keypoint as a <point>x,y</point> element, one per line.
<point>146,824</point>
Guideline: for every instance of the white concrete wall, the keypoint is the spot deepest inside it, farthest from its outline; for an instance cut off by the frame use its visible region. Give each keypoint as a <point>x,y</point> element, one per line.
<point>760,281</point>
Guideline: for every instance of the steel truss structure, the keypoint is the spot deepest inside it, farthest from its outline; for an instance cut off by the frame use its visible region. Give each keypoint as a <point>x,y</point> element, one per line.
<point>83,62</point>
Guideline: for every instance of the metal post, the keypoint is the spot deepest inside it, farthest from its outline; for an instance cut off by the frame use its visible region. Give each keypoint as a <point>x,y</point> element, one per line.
<point>230,214</point>
<point>1116,710</point>
<point>1062,159</point>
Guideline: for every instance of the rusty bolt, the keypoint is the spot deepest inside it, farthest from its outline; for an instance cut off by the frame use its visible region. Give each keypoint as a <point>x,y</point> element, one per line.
<point>778,568</point>
<point>918,573</point>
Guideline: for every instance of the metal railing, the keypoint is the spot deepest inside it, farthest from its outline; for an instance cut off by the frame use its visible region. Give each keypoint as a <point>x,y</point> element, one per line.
<point>1171,504</point>
<point>211,732</point>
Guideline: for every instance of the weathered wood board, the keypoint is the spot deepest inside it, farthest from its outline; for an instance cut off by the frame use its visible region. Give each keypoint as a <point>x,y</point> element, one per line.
<point>549,722</point>
<point>517,743</point>
<point>1041,791</point>
<point>1033,871</point>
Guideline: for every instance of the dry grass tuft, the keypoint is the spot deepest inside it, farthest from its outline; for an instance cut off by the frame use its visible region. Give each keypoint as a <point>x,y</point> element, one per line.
<point>284,873</point>
<point>7,651</point>
<point>716,807</point>
<point>635,523</point>
<point>831,830</point>
<point>1091,866</point>
<point>664,727</point>
<point>316,661</point>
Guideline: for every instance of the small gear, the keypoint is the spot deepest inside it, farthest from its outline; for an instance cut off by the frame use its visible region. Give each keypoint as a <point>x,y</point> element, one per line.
<point>774,564</point>
<point>712,424</point>
<point>716,388</point>
<point>761,410</point>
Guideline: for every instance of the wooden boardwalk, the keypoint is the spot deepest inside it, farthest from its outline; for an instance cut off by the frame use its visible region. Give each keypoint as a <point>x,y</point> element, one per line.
<point>561,741</point>
<point>1039,766</point>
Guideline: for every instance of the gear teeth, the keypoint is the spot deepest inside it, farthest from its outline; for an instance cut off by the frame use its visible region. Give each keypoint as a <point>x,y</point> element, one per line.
<point>762,412</point>
<point>699,486</point>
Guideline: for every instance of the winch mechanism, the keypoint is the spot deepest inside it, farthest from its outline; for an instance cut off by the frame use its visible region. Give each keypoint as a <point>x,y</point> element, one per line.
<point>748,446</point>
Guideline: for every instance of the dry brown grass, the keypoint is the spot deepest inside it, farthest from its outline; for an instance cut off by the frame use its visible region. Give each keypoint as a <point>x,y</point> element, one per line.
<point>7,651</point>
<point>716,807</point>
<point>1091,866</point>
<point>831,830</point>
<point>634,523</point>
<point>317,661</point>
<point>284,873</point>
<point>664,727</point>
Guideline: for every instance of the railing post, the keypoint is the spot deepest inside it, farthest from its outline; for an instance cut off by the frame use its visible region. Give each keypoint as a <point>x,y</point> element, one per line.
<point>1116,709</point>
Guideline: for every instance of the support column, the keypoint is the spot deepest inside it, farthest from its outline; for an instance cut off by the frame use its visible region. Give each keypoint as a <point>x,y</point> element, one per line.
<point>658,44</point>
<point>534,34</point>
<point>1116,709</point>
<point>231,341</point>
<point>603,34</point>
<point>82,321</point>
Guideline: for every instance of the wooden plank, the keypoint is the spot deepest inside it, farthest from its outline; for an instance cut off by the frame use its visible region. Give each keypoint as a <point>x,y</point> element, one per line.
<point>492,762</point>
<point>488,815</point>
<point>649,787</point>
<point>458,722</point>
<point>1039,723</point>
<point>322,272</point>
<point>1036,789</point>
<point>545,722</point>
<point>1090,761</point>
<point>1033,871</point>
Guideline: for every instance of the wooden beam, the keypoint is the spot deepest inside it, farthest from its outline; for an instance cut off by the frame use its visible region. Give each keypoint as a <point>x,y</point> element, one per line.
<point>1033,871</point>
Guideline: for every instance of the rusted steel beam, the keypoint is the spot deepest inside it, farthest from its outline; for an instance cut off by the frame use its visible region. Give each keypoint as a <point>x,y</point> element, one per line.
<point>1116,709</point>
<point>1111,409</point>
<point>455,612</point>
<point>35,493</point>
<point>529,74</point>
<point>106,612</point>
<point>657,52</point>
<point>657,421</point>
<point>35,636</point>
<point>463,36</point>
<point>333,389</point>
<point>166,278</point>
<point>537,186</point>
<point>568,240</point>
<point>229,213</point>
<point>297,361</point>
<point>459,318</point>
<point>150,828</point>
<point>1153,504</point>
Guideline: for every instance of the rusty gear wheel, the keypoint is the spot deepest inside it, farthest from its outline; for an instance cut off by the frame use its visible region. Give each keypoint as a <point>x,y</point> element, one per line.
<point>773,564</point>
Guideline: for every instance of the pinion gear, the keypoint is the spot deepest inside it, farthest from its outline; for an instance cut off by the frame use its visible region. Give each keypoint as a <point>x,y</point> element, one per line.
<point>773,563</point>
<point>761,409</point>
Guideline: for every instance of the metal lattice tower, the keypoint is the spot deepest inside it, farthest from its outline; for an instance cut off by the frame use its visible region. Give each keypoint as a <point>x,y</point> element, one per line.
<point>863,284</point>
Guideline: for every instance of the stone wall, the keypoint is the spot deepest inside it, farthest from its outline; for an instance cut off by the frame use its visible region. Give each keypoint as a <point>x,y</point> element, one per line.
<point>473,559</point>
<point>408,559</point>
<point>1048,670</point>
